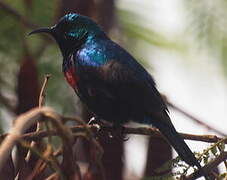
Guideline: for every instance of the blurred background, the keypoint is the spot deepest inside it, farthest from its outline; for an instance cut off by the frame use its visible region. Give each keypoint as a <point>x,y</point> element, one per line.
<point>182,43</point>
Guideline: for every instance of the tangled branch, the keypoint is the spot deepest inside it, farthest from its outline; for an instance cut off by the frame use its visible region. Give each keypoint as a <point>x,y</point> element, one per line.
<point>24,121</point>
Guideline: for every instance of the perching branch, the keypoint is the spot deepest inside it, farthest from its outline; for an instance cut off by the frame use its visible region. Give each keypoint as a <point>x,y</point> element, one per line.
<point>36,136</point>
<point>24,121</point>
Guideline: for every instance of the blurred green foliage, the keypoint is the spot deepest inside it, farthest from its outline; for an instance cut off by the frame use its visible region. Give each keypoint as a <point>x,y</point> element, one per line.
<point>207,21</point>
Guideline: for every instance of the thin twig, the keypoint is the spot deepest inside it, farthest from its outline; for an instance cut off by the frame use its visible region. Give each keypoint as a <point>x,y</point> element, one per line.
<point>20,18</point>
<point>22,123</point>
<point>225,162</point>
<point>41,103</point>
<point>42,92</point>
<point>14,13</point>
<point>53,176</point>
<point>208,168</point>
<point>71,169</point>
<point>26,120</point>
<point>49,160</point>
<point>200,122</point>
<point>37,168</point>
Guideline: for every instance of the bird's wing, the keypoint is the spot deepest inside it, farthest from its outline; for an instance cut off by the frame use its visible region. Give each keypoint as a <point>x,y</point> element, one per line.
<point>134,81</point>
<point>112,73</point>
<point>126,83</point>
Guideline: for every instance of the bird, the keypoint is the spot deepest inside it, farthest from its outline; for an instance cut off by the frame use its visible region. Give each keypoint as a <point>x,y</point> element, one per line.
<point>110,81</point>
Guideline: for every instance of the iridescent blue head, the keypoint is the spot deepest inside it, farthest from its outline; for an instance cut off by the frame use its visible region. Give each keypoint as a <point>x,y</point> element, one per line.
<point>72,31</point>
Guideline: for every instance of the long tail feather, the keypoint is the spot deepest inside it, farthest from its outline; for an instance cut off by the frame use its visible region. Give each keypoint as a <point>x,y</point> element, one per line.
<point>179,144</point>
<point>163,123</point>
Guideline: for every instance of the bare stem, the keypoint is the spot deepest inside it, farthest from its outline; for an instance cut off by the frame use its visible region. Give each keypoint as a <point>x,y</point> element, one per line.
<point>208,168</point>
<point>198,121</point>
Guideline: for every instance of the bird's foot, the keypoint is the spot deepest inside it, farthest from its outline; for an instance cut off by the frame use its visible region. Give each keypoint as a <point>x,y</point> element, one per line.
<point>119,132</point>
<point>94,121</point>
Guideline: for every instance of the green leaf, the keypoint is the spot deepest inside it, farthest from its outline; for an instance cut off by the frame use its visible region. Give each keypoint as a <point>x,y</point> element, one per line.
<point>214,150</point>
<point>221,145</point>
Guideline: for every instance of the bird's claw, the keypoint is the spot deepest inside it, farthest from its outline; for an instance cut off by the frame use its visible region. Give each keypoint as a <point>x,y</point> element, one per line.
<point>124,137</point>
<point>119,132</point>
<point>92,121</point>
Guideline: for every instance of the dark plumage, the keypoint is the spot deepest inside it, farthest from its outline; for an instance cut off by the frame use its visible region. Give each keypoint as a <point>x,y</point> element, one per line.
<point>110,81</point>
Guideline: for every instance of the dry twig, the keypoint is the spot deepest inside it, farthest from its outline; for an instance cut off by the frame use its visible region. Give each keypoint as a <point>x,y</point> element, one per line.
<point>209,167</point>
<point>42,92</point>
<point>24,121</point>
<point>41,103</point>
<point>198,121</point>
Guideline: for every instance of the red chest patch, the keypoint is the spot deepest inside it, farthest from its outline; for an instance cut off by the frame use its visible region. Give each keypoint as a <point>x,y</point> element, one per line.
<point>71,77</point>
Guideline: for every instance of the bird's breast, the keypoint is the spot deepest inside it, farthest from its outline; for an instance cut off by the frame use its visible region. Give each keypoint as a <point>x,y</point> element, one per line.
<point>70,74</point>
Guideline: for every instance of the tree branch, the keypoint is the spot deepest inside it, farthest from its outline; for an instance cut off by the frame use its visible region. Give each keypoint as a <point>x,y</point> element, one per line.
<point>24,121</point>
<point>17,15</point>
<point>128,130</point>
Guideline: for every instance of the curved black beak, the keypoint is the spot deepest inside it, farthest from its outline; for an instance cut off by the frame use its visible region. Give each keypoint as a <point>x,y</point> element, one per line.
<point>41,30</point>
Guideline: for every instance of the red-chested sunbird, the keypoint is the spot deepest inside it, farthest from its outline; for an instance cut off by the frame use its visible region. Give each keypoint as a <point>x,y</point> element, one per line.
<point>113,85</point>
